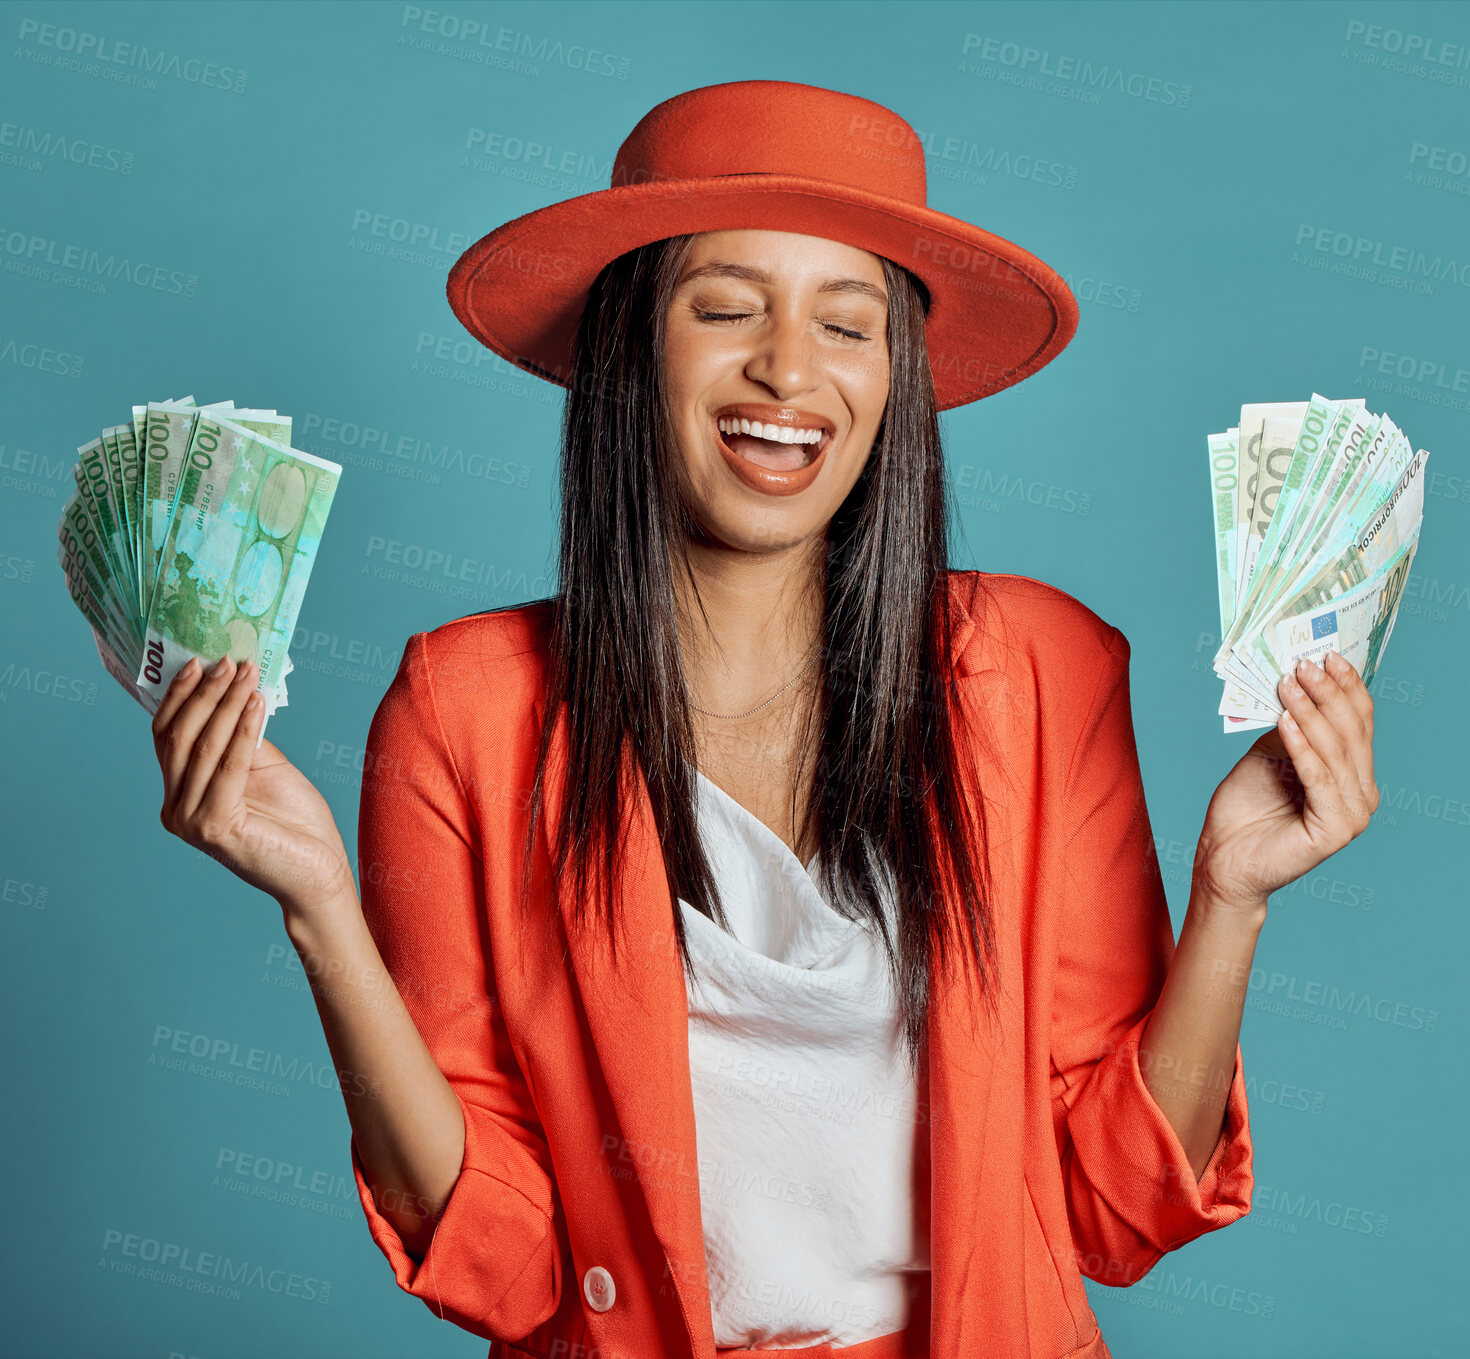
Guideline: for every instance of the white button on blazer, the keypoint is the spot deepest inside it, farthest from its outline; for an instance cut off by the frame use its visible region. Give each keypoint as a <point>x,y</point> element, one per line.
<point>598,1288</point>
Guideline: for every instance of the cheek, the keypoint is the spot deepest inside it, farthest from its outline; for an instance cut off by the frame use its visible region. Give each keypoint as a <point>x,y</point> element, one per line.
<point>690,354</point>
<point>866,382</point>
<point>681,388</point>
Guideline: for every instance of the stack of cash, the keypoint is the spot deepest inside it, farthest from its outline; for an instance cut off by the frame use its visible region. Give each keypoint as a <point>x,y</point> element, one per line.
<point>1317,512</point>
<point>192,532</point>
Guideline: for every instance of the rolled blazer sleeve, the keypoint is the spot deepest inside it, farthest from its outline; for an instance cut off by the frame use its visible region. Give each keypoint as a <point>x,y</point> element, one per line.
<point>1131,1192</point>
<point>493,1266</point>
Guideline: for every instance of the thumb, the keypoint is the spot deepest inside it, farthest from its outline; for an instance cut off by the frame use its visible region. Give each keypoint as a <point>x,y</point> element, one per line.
<point>1270,745</point>
<point>266,755</point>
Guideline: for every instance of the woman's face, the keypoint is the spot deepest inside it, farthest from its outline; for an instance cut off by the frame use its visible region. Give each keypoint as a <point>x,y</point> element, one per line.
<point>788,333</point>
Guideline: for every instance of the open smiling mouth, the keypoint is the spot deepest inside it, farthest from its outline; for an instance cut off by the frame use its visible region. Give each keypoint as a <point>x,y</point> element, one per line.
<point>770,446</point>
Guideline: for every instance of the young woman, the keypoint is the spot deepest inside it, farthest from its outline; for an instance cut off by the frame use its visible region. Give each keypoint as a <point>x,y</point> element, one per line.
<point>760,947</point>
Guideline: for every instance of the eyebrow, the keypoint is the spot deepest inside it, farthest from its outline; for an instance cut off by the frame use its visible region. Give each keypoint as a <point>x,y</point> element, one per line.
<point>728,269</point>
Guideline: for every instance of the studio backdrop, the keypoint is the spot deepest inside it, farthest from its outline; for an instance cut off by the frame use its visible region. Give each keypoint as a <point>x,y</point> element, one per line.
<point>261,202</point>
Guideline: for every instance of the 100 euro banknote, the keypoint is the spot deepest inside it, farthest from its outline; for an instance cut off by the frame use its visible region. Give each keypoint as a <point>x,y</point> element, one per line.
<point>1315,503</point>
<point>1356,624</point>
<point>191,532</point>
<point>246,522</point>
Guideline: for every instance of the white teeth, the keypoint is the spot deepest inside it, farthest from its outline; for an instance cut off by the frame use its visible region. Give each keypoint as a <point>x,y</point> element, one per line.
<point>785,434</point>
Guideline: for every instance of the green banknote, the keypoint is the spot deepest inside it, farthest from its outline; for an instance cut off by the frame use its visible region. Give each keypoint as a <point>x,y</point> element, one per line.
<point>1378,528</point>
<point>1317,509</point>
<point>241,543</point>
<point>192,531</point>
<point>1224,489</point>
<point>1357,624</point>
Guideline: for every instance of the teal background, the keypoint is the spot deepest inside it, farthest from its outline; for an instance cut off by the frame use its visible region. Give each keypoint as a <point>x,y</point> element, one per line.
<point>1189,215</point>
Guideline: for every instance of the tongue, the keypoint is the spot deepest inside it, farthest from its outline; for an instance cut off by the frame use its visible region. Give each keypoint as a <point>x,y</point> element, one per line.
<point>767,452</point>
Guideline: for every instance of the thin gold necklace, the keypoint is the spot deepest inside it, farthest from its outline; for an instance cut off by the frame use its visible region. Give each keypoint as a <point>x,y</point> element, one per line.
<point>730,717</point>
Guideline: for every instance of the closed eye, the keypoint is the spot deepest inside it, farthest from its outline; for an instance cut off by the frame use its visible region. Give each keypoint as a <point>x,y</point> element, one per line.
<point>741,315</point>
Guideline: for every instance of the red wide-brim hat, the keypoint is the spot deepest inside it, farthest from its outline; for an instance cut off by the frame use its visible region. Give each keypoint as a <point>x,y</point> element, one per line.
<point>780,156</point>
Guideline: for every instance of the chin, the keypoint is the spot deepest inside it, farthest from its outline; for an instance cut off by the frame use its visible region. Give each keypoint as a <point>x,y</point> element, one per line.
<point>774,528</point>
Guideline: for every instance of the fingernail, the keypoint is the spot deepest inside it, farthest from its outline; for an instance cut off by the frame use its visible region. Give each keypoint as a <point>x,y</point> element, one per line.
<point>1309,669</point>
<point>191,665</point>
<point>218,668</point>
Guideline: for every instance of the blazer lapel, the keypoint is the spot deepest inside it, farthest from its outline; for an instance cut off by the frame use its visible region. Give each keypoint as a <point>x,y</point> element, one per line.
<point>961,1061</point>
<point>638,1017</point>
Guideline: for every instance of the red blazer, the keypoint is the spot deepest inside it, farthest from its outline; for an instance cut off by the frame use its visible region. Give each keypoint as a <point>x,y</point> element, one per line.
<point>574,1228</point>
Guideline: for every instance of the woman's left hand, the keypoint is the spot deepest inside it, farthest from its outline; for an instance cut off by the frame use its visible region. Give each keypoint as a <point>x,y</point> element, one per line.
<point>1302,791</point>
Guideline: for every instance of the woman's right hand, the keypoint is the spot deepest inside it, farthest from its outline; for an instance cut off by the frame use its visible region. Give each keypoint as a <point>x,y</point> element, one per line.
<point>245,805</point>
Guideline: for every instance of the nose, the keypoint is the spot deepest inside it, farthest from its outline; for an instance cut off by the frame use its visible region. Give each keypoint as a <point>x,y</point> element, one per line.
<point>783,359</point>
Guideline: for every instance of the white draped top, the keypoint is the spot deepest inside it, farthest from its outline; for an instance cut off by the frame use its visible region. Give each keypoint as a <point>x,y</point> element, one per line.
<point>805,1113</point>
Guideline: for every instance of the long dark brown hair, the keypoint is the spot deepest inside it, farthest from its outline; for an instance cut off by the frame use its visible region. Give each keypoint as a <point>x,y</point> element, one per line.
<point>890,769</point>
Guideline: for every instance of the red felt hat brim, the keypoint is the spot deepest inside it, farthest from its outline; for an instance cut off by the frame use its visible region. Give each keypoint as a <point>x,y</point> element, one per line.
<point>997,312</point>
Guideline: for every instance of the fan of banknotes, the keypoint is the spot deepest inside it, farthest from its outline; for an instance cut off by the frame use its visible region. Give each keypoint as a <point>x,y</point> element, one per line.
<point>1318,506</point>
<point>192,532</point>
